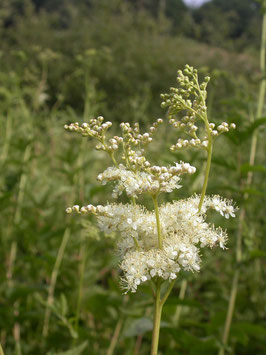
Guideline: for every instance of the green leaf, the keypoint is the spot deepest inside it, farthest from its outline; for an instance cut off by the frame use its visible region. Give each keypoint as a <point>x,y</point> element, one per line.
<point>243,330</point>
<point>251,191</point>
<point>207,346</point>
<point>224,162</point>
<point>254,254</point>
<point>245,134</point>
<point>247,167</point>
<point>74,351</point>
<point>139,326</point>
<point>250,328</point>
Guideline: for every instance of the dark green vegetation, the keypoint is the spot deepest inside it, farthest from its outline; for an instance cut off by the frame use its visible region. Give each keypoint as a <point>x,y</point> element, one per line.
<point>67,61</point>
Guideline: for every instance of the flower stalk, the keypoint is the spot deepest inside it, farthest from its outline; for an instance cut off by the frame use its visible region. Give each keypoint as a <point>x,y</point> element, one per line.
<point>1,350</point>
<point>156,209</point>
<point>52,285</point>
<point>157,319</point>
<point>207,171</point>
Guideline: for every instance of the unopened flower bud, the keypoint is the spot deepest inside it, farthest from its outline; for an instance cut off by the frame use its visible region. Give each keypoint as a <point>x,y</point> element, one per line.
<point>75,208</point>
<point>83,210</point>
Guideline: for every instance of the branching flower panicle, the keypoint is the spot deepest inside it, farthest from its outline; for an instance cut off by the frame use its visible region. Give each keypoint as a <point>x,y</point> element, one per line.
<point>156,245</point>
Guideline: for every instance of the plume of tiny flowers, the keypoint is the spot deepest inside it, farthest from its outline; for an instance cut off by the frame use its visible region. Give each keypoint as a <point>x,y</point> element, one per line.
<point>157,244</point>
<point>184,232</point>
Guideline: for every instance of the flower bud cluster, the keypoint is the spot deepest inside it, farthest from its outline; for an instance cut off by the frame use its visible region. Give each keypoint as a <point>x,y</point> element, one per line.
<point>202,143</point>
<point>164,173</point>
<point>224,127</point>
<point>135,159</point>
<point>96,128</point>
<point>133,136</point>
<point>191,99</point>
<point>87,209</point>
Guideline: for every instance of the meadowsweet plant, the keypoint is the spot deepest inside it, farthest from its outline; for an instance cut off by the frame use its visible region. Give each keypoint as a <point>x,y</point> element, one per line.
<point>154,245</point>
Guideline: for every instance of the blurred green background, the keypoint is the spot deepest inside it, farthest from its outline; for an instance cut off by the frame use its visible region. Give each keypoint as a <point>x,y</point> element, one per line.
<point>68,61</point>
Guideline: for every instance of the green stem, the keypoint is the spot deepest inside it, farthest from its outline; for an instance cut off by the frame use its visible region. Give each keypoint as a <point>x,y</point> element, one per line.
<point>136,243</point>
<point>158,306</point>
<point>54,275</point>
<point>81,279</point>
<point>115,337</point>
<point>22,185</point>
<point>158,302</point>
<point>11,261</point>
<point>157,319</point>
<point>113,159</point>
<point>168,291</point>
<point>16,331</point>
<point>1,350</point>
<point>207,171</point>
<point>6,145</point>
<point>230,311</point>
<point>117,331</point>
<point>156,209</point>
<point>180,297</point>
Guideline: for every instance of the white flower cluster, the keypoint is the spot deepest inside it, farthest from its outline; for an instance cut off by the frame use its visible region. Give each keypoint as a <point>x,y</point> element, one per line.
<point>140,266</point>
<point>184,230</point>
<point>223,206</point>
<point>156,179</point>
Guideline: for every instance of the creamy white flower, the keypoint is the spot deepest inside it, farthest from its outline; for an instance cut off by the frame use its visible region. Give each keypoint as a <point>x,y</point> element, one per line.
<point>184,231</point>
<point>152,180</point>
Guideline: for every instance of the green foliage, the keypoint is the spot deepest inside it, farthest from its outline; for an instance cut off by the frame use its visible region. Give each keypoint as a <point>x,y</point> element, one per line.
<point>66,62</point>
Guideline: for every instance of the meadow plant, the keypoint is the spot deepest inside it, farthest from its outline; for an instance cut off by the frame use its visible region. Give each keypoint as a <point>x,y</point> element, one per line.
<point>155,245</point>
